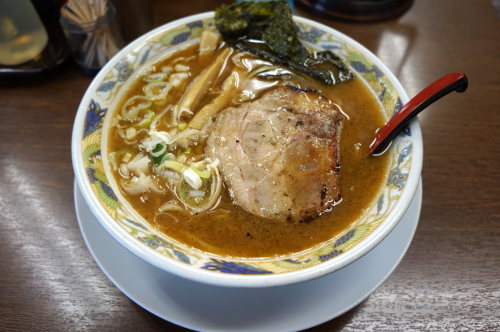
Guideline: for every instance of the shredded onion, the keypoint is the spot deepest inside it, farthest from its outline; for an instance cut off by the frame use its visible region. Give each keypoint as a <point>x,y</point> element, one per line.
<point>166,69</point>
<point>130,133</point>
<point>162,135</point>
<point>178,59</point>
<point>123,135</point>
<point>171,206</point>
<point>166,213</point>
<point>124,170</point>
<point>171,175</point>
<point>187,136</point>
<point>216,186</point>
<point>112,160</point>
<point>181,68</point>
<point>196,193</point>
<point>154,77</point>
<point>177,79</point>
<point>139,184</point>
<point>140,164</point>
<point>178,112</point>
<point>154,122</point>
<point>127,157</point>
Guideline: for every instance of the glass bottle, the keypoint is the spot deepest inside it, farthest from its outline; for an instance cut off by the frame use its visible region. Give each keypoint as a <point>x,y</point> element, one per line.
<point>22,33</point>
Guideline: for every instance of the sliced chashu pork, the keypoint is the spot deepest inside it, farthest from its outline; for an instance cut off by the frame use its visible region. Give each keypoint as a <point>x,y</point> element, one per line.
<point>279,155</point>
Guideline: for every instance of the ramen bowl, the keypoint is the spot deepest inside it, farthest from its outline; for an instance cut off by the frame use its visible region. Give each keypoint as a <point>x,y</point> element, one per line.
<point>135,234</point>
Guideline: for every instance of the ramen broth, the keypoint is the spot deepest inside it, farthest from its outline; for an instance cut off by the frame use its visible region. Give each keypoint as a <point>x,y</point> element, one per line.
<point>227,229</point>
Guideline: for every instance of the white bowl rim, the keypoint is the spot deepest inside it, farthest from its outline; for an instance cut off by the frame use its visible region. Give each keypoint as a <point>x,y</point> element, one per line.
<point>233,280</point>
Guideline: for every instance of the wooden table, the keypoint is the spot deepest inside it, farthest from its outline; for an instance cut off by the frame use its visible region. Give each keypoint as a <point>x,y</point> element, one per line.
<point>450,277</point>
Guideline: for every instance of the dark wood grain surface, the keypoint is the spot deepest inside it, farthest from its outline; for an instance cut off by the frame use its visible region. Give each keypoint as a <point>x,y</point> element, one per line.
<point>448,281</point>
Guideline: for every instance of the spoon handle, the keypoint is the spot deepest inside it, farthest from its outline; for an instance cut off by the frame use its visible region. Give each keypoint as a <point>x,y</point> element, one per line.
<point>440,88</point>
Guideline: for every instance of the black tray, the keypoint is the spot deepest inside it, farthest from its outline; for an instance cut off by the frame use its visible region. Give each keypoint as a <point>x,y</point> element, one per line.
<point>53,55</point>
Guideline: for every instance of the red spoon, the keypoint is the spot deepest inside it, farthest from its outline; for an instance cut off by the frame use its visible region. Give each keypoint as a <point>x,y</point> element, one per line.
<point>440,88</point>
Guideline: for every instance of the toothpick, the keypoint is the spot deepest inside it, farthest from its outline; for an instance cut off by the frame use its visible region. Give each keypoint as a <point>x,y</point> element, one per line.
<point>99,45</point>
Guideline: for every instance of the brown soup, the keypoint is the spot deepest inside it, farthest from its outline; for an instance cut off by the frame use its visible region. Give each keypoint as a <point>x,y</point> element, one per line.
<point>227,229</point>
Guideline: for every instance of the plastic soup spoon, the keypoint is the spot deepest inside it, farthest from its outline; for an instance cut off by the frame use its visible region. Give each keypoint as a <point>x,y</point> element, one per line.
<point>440,88</point>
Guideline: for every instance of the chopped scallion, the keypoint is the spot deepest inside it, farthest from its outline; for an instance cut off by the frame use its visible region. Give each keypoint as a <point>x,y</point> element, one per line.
<point>202,174</point>
<point>134,105</point>
<point>146,120</point>
<point>157,158</point>
<point>192,178</point>
<point>173,165</point>
<point>157,90</point>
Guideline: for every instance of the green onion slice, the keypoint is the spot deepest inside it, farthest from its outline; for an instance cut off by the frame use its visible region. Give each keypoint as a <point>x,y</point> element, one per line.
<point>157,90</point>
<point>182,126</point>
<point>202,174</point>
<point>158,153</point>
<point>134,105</point>
<point>173,165</point>
<point>148,118</point>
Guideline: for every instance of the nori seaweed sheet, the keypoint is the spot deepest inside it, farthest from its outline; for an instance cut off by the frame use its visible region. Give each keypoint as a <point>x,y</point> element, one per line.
<point>266,29</point>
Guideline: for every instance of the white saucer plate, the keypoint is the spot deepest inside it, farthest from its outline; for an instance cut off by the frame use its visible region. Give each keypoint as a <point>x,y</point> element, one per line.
<point>212,308</point>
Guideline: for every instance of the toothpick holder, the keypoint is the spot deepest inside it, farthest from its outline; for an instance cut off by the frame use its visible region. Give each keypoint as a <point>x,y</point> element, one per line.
<point>92,42</point>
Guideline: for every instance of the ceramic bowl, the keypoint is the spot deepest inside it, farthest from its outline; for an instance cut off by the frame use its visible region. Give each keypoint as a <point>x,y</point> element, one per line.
<point>136,235</point>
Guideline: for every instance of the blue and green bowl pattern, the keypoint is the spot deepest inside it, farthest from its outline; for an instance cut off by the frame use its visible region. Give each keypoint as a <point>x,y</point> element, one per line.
<point>108,90</point>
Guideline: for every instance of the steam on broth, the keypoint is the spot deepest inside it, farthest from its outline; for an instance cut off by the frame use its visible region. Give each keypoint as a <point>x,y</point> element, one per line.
<point>157,150</point>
